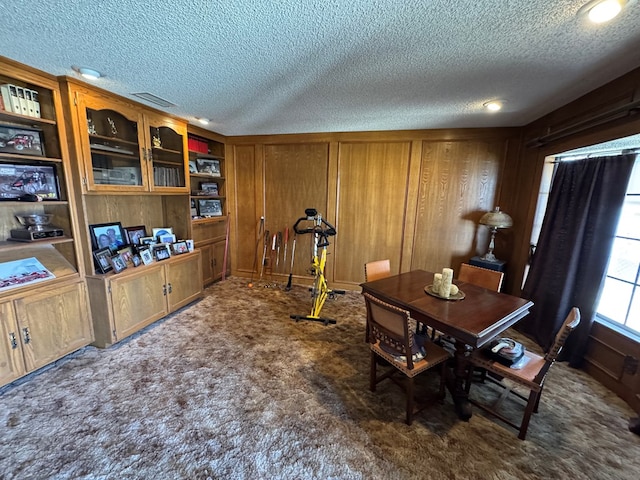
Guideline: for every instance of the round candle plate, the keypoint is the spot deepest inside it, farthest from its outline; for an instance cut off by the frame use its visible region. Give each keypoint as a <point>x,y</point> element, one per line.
<point>457,296</point>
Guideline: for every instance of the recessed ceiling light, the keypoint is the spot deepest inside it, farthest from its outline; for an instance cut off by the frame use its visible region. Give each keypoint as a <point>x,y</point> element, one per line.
<point>601,11</point>
<point>203,121</point>
<point>88,73</point>
<point>492,106</point>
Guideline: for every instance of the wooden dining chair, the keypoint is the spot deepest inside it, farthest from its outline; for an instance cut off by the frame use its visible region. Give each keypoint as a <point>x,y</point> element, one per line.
<point>531,376</point>
<point>392,339</point>
<point>376,270</point>
<point>482,277</point>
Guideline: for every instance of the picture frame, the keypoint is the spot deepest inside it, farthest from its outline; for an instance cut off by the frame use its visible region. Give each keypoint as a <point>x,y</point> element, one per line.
<point>127,254</point>
<point>168,238</point>
<point>148,240</point>
<point>146,256</point>
<point>118,263</point>
<point>156,232</point>
<point>208,166</point>
<point>136,260</point>
<point>101,259</point>
<point>209,208</point>
<point>161,251</point>
<point>134,234</point>
<point>190,245</point>
<point>209,188</point>
<point>194,208</point>
<point>110,235</point>
<point>21,140</point>
<point>19,179</point>
<point>180,247</point>
<point>193,167</point>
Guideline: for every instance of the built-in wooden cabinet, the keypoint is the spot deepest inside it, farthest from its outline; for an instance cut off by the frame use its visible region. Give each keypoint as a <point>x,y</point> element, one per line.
<point>207,175</point>
<point>43,298</point>
<point>124,303</point>
<point>126,148</point>
<point>133,167</point>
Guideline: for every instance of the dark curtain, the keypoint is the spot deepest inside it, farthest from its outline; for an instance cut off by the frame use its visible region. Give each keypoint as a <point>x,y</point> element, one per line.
<point>571,258</point>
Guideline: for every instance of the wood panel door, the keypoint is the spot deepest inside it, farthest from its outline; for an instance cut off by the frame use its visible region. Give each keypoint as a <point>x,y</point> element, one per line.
<point>372,196</point>
<point>184,280</point>
<point>458,183</point>
<point>11,359</point>
<point>138,299</point>
<point>53,323</point>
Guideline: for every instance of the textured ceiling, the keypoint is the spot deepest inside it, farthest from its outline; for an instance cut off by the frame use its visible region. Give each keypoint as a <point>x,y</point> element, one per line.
<point>293,66</point>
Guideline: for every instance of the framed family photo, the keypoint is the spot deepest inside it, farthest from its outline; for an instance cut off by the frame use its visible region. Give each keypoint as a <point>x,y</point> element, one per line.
<point>101,258</point>
<point>109,235</point>
<point>210,208</point>
<point>134,234</point>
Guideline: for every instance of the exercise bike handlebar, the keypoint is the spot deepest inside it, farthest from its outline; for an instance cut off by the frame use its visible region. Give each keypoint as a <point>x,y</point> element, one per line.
<point>326,232</point>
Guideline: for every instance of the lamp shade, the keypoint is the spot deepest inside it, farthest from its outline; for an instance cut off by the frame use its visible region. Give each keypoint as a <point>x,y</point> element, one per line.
<point>496,219</point>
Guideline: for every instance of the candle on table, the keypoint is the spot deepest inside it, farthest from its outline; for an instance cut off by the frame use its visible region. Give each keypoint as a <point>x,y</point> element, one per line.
<point>447,278</point>
<point>437,283</point>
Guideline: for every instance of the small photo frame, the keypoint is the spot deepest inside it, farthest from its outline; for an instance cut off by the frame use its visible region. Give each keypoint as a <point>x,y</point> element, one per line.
<point>101,258</point>
<point>127,254</point>
<point>208,166</point>
<point>107,235</point>
<point>21,141</point>
<point>180,247</point>
<point>168,238</point>
<point>190,245</point>
<point>136,260</point>
<point>192,166</point>
<point>210,208</point>
<point>148,240</point>
<point>146,256</point>
<point>161,251</point>
<point>134,234</point>
<point>156,232</point>
<point>118,263</point>
<point>209,188</point>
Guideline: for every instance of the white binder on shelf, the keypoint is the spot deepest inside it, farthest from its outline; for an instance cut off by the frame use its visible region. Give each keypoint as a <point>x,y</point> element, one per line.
<point>36,103</point>
<point>30,109</point>
<point>13,104</point>
<point>24,108</point>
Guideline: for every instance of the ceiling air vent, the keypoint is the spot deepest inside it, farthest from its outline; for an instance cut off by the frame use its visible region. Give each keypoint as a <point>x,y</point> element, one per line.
<point>151,98</point>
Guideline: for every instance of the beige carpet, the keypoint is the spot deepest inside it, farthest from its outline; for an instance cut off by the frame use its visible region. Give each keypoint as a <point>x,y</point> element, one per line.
<point>232,388</point>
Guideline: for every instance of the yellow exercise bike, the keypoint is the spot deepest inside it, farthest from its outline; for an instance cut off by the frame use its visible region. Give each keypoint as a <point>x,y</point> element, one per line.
<point>320,291</point>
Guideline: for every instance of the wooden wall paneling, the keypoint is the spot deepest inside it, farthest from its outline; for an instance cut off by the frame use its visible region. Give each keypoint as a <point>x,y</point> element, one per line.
<point>411,208</point>
<point>458,184</point>
<point>175,208</point>
<point>295,179</point>
<point>126,209</point>
<point>372,189</point>
<point>248,206</point>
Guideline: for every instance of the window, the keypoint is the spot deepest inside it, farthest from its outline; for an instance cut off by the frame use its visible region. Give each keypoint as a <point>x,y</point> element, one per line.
<point>620,297</point>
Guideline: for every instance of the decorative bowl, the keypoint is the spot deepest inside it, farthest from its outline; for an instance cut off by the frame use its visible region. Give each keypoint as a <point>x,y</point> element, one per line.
<point>35,221</point>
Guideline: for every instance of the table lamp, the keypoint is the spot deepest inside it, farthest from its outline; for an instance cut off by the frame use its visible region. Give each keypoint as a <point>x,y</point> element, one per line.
<point>495,220</point>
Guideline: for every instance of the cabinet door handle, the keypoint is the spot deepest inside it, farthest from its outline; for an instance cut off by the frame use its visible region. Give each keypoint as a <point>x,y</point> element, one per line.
<point>164,290</point>
<point>26,336</point>
<point>170,288</point>
<point>14,342</point>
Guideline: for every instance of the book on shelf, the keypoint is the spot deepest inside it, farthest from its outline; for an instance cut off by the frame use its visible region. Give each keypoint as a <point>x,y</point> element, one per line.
<point>22,99</point>
<point>10,98</point>
<point>36,103</point>
<point>30,107</point>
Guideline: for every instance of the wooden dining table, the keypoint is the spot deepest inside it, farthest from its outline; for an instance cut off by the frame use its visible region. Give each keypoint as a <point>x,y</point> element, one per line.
<point>471,322</point>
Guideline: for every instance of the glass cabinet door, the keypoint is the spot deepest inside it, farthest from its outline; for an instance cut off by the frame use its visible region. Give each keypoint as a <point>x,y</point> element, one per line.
<point>114,148</point>
<point>168,155</point>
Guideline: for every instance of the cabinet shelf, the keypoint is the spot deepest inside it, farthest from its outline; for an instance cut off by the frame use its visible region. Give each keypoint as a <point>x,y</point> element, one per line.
<point>112,150</point>
<point>19,158</point>
<point>166,150</point>
<point>113,139</point>
<point>205,155</point>
<point>24,119</point>
<point>7,245</point>
<point>205,175</point>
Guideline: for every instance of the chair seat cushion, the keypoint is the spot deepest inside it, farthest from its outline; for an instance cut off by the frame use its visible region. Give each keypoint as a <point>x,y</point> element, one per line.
<point>433,355</point>
<point>525,375</point>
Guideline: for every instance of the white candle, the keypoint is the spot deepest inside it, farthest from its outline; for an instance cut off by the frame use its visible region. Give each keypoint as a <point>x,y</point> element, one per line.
<point>437,283</point>
<point>447,278</point>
